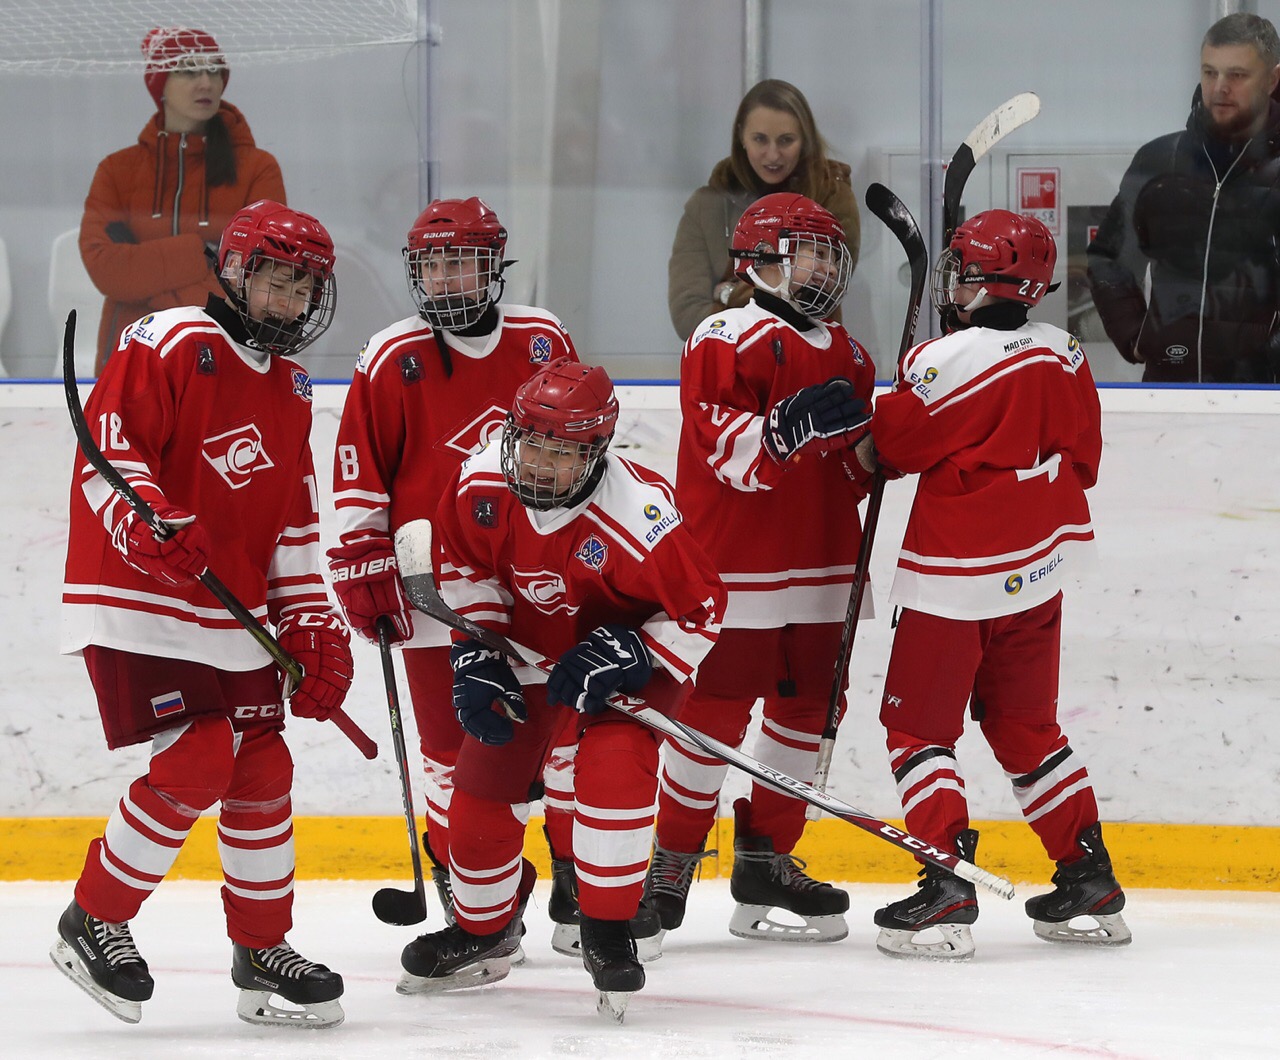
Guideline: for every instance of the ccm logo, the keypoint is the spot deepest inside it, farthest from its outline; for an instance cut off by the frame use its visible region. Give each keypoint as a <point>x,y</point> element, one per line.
<point>364,570</point>
<point>263,711</point>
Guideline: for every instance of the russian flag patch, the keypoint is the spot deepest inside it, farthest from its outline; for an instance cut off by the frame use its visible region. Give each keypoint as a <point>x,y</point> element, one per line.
<point>167,704</point>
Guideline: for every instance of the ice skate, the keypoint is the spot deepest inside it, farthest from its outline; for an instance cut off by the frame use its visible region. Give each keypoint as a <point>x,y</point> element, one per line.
<point>455,959</point>
<point>940,911</point>
<point>764,881</point>
<point>666,892</point>
<point>562,908</point>
<point>440,877</point>
<point>609,954</point>
<point>1085,888</point>
<point>102,960</point>
<point>282,972</point>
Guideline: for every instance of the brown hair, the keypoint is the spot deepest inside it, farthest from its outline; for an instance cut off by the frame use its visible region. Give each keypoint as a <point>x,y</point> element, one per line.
<point>810,177</point>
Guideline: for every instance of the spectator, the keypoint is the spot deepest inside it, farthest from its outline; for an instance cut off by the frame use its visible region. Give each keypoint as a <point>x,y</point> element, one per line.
<point>776,147</point>
<point>154,207</point>
<point>1201,210</point>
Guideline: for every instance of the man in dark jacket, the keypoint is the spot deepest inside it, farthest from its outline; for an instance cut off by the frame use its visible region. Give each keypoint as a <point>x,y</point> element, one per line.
<point>1201,209</point>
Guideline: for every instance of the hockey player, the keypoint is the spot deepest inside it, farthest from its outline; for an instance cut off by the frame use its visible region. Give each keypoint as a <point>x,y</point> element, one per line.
<point>1000,419</point>
<point>208,418</point>
<point>549,539</point>
<point>772,395</point>
<point>429,391</point>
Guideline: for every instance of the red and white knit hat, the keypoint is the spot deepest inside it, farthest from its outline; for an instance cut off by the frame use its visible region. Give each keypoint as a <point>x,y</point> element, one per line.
<point>168,47</point>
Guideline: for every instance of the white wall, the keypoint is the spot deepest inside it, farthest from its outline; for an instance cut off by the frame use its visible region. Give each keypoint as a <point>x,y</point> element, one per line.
<point>1170,668</point>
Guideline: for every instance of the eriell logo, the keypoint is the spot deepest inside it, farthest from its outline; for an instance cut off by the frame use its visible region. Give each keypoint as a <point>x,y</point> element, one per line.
<point>236,454</point>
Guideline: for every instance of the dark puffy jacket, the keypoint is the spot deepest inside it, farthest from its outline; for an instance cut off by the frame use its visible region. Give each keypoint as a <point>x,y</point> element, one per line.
<point>1215,266</point>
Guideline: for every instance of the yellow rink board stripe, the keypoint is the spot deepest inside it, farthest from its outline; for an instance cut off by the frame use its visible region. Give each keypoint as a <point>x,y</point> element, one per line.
<point>1183,856</point>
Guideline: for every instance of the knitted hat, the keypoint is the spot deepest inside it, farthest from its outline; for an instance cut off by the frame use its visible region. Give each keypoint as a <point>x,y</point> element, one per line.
<point>168,48</point>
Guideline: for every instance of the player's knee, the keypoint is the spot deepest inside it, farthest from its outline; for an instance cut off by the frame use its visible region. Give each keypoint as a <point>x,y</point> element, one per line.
<point>192,767</point>
<point>1021,747</point>
<point>613,743</point>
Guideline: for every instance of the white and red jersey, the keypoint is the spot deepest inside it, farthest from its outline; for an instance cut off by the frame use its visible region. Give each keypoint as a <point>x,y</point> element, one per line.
<point>784,539</point>
<point>189,417</point>
<point>1005,431</point>
<point>408,423</point>
<point>621,555</point>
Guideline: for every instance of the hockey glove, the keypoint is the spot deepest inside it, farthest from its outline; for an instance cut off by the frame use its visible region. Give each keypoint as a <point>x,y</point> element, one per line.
<point>611,659</point>
<point>482,680</point>
<point>367,585</point>
<point>823,416</point>
<point>173,561</point>
<point>870,460</point>
<point>321,645</point>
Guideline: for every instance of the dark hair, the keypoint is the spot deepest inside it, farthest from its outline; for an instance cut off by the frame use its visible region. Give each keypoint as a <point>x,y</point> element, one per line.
<point>219,155</point>
<point>810,177</point>
<point>1244,28</point>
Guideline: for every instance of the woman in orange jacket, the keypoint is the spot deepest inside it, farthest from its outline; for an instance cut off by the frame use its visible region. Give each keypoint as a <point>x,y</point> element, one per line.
<point>154,206</point>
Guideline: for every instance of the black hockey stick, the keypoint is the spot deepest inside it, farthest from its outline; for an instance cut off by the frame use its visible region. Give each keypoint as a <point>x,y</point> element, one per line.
<point>413,555</point>
<point>391,905</point>
<point>894,213</point>
<point>162,530</point>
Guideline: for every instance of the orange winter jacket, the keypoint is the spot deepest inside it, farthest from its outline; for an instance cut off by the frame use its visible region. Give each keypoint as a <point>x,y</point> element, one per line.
<point>150,213</point>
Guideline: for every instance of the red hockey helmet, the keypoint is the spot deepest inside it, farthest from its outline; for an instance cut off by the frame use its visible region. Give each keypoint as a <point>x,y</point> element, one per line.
<point>269,244</point>
<point>1008,251</point>
<point>557,432</point>
<point>802,237</point>
<point>453,261</point>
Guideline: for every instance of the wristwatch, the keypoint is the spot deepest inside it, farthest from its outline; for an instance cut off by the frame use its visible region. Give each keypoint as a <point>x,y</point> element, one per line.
<point>724,291</point>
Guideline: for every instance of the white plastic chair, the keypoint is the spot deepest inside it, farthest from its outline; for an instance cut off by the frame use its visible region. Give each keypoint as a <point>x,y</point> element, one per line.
<point>70,288</point>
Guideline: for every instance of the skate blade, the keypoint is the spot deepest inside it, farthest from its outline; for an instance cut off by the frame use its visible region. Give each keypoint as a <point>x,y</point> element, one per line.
<point>256,1006</point>
<point>650,949</point>
<point>1109,930</point>
<point>756,922</point>
<point>956,943</point>
<point>567,939</point>
<point>482,973</point>
<point>70,965</point>
<point>612,1004</point>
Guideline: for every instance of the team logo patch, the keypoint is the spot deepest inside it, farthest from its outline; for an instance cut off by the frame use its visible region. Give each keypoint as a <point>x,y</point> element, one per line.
<point>930,375</point>
<point>592,552</point>
<point>545,589</point>
<point>301,383</point>
<point>205,364</point>
<point>1013,584</point>
<point>477,432</point>
<point>539,349</point>
<point>484,510</point>
<point>858,357</point>
<point>236,454</point>
<point>410,368</point>
<point>168,704</point>
<point>652,512</point>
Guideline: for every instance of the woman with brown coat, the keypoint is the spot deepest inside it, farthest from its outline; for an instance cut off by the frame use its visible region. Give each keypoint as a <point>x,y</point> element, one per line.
<point>776,147</point>
<point>154,206</point>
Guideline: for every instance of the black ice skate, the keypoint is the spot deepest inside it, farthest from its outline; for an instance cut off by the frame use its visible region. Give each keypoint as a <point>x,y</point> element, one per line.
<point>1083,888</point>
<point>764,880</point>
<point>455,959</point>
<point>609,954</point>
<point>102,960</point>
<point>283,972</point>
<point>666,893</point>
<point>940,911</point>
<point>562,908</point>
<point>440,877</point>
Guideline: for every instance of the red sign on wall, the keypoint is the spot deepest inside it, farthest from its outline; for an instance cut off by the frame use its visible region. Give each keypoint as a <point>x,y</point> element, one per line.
<point>1040,195</point>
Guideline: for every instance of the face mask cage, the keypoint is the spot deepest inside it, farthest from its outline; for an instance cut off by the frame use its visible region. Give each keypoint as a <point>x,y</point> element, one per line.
<point>546,472</point>
<point>452,288</point>
<point>274,333</point>
<point>818,270</point>
<point>946,277</point>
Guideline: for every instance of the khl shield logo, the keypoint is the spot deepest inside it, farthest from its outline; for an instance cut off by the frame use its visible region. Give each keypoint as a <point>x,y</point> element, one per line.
<point>236,454</point>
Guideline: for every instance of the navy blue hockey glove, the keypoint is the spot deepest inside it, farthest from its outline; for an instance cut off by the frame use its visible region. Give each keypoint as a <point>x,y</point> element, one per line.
<point>611,659</point>
<point>486,695</point>
<point>823,416</point>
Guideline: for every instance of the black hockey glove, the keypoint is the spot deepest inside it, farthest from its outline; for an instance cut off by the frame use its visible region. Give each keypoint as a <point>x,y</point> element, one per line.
<point>823,416</point>
<point>482,679</point>
<point>611,659</point>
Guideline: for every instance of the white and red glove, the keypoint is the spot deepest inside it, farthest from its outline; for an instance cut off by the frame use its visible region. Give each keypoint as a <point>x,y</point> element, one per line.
<point>322,646</point>
<point>366,581</point>
<point>175,560</point>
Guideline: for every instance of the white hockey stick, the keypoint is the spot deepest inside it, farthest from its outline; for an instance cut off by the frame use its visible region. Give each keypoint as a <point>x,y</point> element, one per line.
<point>1011,114</point>
<point>413,554</point>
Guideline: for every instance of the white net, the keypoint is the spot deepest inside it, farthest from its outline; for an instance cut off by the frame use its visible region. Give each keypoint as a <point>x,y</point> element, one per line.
<point>71,36</point>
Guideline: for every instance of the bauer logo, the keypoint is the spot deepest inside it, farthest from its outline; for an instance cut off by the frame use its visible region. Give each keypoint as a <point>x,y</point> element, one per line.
<point>539,349</point>
<point>236,455</point>
<point>1013,584</point>
<point>545,589</point>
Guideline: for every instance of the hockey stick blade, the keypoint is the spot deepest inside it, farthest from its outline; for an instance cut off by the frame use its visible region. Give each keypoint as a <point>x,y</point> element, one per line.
<point>1010,115</point>
<point>224,596</point>
<point>399,908</point>
<point>413,556</point>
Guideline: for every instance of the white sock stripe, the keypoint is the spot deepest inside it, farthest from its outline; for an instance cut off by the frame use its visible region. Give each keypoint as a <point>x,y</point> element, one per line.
<point>474,876</point>
<point>605,882</point>
<point>551,802</point>
<point>704,779</point>
<point>808,738</point>
<point>929,790</point>
<point>125,877</point>
<point>600,813</point>
<point>256,895</point>
<point>1064,770</point>
<point>612,848</point>
<point>689,800</point>
<point>252,835</point>
<point>943,767</point>
<point>178,834</point>
<point>260,865</point>
<point>794,761</point>
<point>1082,784</point>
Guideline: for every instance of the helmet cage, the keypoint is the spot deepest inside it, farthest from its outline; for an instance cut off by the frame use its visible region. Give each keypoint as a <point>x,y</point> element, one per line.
<point>544,471</point>
<point>815,295</point>
<point>273,333</point>
<point>469,278</point>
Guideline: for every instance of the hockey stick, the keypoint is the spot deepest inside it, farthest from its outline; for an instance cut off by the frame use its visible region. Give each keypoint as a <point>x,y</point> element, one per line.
<point>116,481</point>
<point>1011,114</point>
<point>894,213</point>
<point>391,905</point>
<point>413,554</point>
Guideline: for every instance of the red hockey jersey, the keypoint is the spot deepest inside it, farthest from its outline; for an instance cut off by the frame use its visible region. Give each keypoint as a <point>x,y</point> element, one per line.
<point>547,579</point>
<point>784,539</point>
<point>407,426</point>
<point>1005,431</point>
<point>188,416</point>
